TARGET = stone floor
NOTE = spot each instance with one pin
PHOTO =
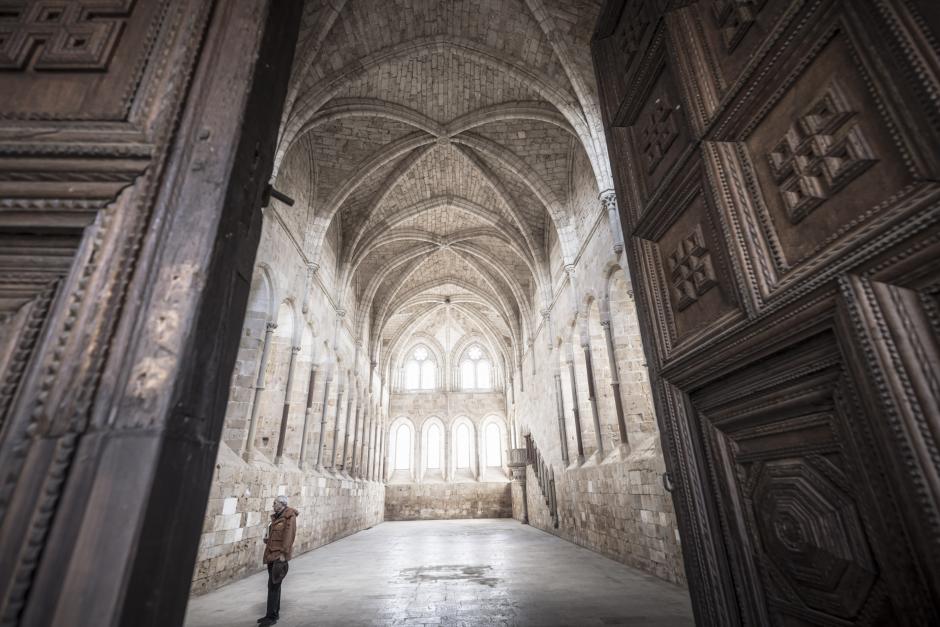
(451, 572)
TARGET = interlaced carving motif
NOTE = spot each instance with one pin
(60, 35)
(819, 155)
(659, 133)
(633, 24)
(691, 269)
(734, 18)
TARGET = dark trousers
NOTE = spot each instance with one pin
(274, 592)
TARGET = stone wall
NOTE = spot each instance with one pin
(240, 503)
(614, 502)
(618, 509)
(436, 501)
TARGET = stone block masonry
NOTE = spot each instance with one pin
(239, 507)
(436, 501)
(619, 509)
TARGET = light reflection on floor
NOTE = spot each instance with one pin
(456, 572)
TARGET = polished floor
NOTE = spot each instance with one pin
(451, 572)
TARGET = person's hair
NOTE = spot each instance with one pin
(282, 499)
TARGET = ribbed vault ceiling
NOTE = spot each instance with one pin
(430, 146)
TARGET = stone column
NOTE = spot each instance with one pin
(377, 468)
(285, 412)
(356, 439)
(370, 452)
(518, 459)
(349, 406)
(615, 381)
(481, 461)
(560, 409)
(339, 412)
(383, 450)
(418, 474)
(248, 451)
(373, 430)
(576, 411)
(312, 268)
(448, 453)
(364, 457)
(326, 392)
(592, 399)
(608, 199)
(309, 406)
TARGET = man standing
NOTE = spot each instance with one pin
(279, 542)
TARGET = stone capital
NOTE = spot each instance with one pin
(340, 313)
(313, 267)
(605, 324)
(295, 349)
(608, 198)
(270, 327)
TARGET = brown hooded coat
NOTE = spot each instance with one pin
(281, 532)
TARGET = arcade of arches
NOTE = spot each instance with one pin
(449, 280)
(658, 278)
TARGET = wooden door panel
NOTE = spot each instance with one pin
(58, 58)
(783, 436)
(826, 166)
(111, 112)
(659, 133)
(631, 26)
(716, 40)
(689, 276)
(895, 356)
(786, 263)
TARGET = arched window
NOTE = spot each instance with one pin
(402, 447)
(463, 446)
(476, 370)
(494, 449)
(434, 447)
(420, 370)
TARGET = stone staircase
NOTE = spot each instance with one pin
(545, 476)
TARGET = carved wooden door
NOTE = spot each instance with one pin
(777, 167)
(136, 137)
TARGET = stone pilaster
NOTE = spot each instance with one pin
(248, 451)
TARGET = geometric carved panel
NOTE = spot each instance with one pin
(74, 59)
(825, 158)
(819, 154)
(57, 36)
(691, 269)
(813, 537)
(696, 294)
(658, 132)
(636, 18)
(734, 18)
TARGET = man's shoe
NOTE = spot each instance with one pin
(267, 622)
(264, 618)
